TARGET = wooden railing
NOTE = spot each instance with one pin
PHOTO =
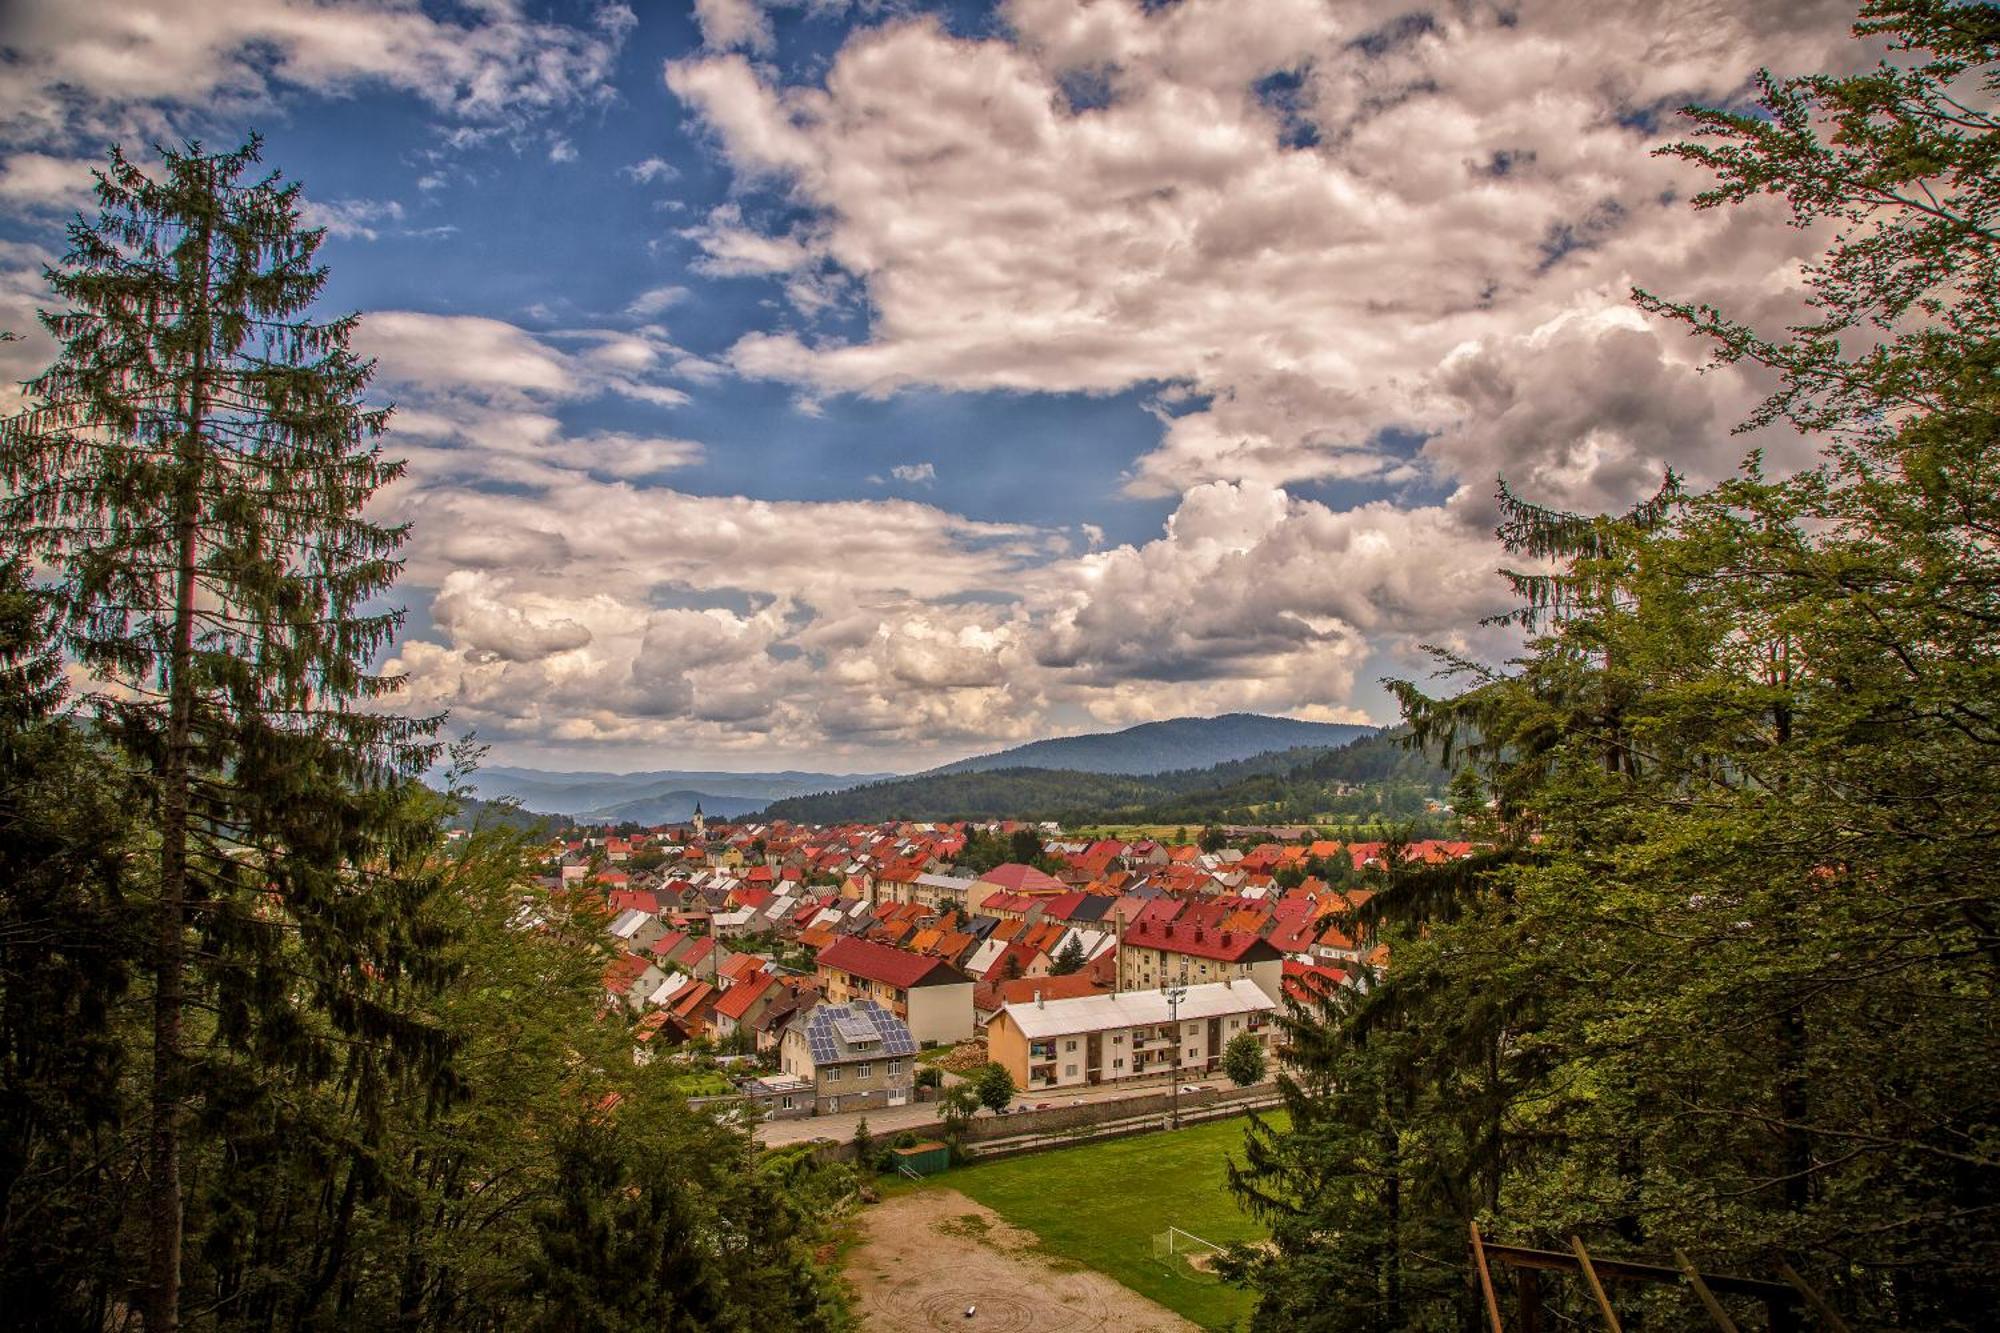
(1781, 1300)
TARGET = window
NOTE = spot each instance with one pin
(1069, 1071)
(1119, 1063)
(787, 1104)
(1118, 1039)
(1069, 1046)
(833, 1073)
(863, 1071)
(1235, 1023)
(895, 1068)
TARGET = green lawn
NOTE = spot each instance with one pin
(1101, 1205)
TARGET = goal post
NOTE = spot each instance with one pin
(1174, 1242)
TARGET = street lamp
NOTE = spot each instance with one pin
(1175, 993)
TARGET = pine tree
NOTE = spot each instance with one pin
(191, 472)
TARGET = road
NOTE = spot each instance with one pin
(890, 1119)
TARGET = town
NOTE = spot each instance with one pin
(849, 971)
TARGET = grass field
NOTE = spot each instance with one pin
(1101, 1204)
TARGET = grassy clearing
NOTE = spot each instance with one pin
(1101, 1204)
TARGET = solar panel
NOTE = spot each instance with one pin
(856, 1028)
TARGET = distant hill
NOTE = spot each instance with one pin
(663, 797)
(1371, 775)
(1163, 747)
(475, 813)
(672, 807)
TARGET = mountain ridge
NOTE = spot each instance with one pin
(1165, 746)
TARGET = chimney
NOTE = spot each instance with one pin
(1038, 997)
(1228, 981)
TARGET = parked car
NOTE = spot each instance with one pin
(1197, 1087)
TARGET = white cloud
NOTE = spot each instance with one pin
(655, 299)
(351, 218)
(41, 181)
(1303, 271)
(98, 67)
(729, 24)
(915, 473)
(648, 170)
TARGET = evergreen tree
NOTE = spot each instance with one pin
(192, 471)
(1068, 959)
(1724, 979)
(67, 954)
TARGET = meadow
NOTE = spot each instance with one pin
(1101, 1204)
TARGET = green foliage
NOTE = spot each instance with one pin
(69, 856)
(1243, 1059)
(1373, 777)
(993, 1085)
(956, 1106)
(1068, 959)
(1726, 981)
(272, 1052)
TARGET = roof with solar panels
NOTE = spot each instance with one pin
(863, 1030)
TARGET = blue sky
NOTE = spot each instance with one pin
(860, 385)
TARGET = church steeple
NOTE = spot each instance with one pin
(700, 824)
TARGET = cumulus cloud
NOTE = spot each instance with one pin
(92, 67)
(729, 24)
(41, 181)
(1309, 221)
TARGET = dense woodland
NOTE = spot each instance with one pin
(1728, 978)
(273, 1055)
(1376, 777)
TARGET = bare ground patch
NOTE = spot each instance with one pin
(926, 1256)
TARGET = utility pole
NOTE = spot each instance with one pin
(1175, 994)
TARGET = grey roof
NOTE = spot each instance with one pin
(836, 1033)
(1098, 1013)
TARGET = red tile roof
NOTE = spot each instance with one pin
(738, 999)
(1018, 878)
(879, 962)
(1201, 941)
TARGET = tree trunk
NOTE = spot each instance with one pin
(164, 1219)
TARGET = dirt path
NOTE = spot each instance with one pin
(926, 1256)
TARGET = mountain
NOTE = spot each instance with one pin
(672, 807)
(1374, 776)
(638, 796)
(1163, 747)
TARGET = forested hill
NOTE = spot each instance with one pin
(1171, 746)
(1302, 783)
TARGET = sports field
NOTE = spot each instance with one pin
(1101, 1205)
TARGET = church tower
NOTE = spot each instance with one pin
(700, 824)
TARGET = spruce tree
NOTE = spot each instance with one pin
(191, 476)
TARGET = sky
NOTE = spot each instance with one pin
(856, 386)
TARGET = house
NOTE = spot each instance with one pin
(1094, 1039)
(858, 1056)
(636, 929)
(928, 994)
(630, 978)
(1151, 955)
(741, 1003)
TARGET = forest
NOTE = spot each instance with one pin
(274, 1053)
(1725, 978)
(1375, 777)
